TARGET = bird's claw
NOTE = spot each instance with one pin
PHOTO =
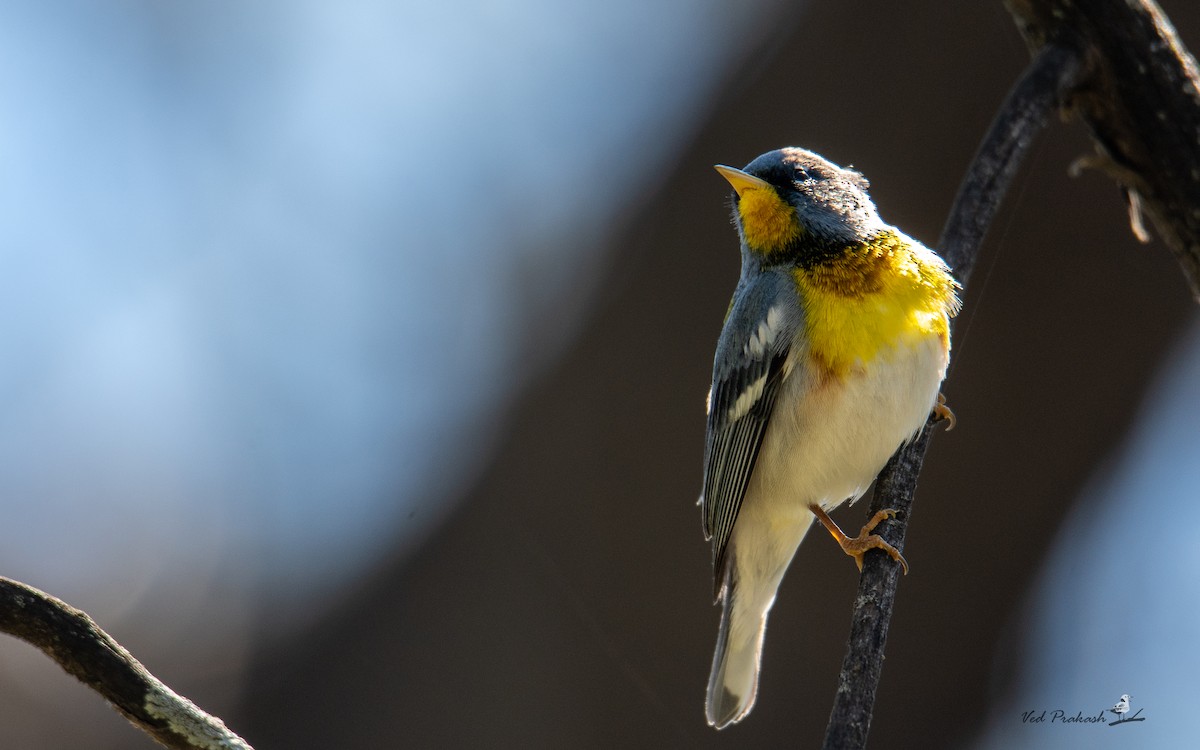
(942, 413)
(857, 546)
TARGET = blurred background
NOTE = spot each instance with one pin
(356, 357)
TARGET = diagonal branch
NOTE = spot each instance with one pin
(978, 199)
(73, 639)
(1121, 68)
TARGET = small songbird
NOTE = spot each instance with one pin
(832, 355)
(1121, 708)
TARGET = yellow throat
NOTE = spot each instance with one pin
(769, 224)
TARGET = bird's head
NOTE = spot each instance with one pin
(791, 205)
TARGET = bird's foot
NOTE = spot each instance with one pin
(942, 413)
(857, 546)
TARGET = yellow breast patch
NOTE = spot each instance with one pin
(874, 297)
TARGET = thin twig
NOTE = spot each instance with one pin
(73, 639)
(1023, 114)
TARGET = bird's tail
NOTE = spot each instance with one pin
(747, 596)
(734, 680)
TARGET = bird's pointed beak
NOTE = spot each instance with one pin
(740, 180)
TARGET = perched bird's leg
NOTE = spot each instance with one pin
(942, 413)
(865, 540)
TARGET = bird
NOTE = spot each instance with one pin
(832, 356)
(1121, 707)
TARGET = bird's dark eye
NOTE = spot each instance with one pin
(799, 175)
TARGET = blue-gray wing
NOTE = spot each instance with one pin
(747, 373)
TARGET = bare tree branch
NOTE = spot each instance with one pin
(1140, 98)
(978, 198)
(73, 639)
(1120, 66)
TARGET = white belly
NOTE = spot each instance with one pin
(826, 441)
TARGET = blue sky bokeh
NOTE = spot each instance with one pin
(268, 265)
